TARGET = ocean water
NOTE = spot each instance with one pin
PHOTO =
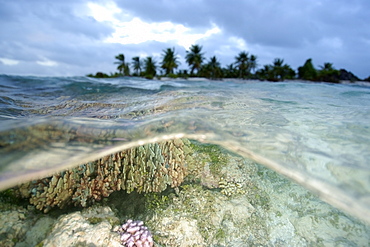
(316, 134)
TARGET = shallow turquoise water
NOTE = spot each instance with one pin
(314, 133)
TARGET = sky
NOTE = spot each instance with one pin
(78, 37)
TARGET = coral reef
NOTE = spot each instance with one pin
(147, 168)
(134, 233)
(206, 210)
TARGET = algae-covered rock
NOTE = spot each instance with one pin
(22, 227)
(13, 226)
(271, 211)
(37, 232)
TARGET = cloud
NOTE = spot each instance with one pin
(82, 36)
(273, 29)
(10, 62)
(137, 31)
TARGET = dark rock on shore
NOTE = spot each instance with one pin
(345, 75)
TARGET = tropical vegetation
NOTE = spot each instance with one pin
(245, 66)
(150, 68)
(169, 61)
(136, 65)
(194, 58)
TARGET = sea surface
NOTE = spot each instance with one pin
(316, 134)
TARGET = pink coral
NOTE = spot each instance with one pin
(135, 234)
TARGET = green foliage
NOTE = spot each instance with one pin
(174, 76)
(126, 69)
(99, 75)
(212, 69)
(244, 67)
(253, 62)
(150, 68)
(169, 61)
(149, 77)
(230, 71)
(328, 73)
(245, 64)
(136, 64)
(183, 74)
(307, 71)
(278, 71)
(103, 75)
(120, 62)
(194, 58)
(242, 61)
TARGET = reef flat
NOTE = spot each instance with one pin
(220, 199)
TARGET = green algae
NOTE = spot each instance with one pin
(9, 196)
(211, 153)
(41, 244)
(95, 220)
(156, 200)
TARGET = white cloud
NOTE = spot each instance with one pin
(47, 62)
(7, 61)
(104, 12)
(333, 43)
(238, 42)
(136, 31)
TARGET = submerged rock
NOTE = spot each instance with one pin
(22, 227)
(75, 229)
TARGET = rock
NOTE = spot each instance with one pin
(37, 233)
(183, 232)
(13, 226)
(345, 75)
(74, 229)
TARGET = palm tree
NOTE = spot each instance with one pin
(230, 71)
(265, 73)
(120, 62)
(126, 69)
(150, 68)
(194, 58)
(328, 73)
(242, 61)
(212, 69)
(253, 63)
(327, 67)
(136, 63)
(169, 61)
(307, 71)
(278, 69)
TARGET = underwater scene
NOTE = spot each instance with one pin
(134, 162)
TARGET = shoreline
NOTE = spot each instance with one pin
(238, 80)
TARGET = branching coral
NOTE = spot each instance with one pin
(148, 168)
